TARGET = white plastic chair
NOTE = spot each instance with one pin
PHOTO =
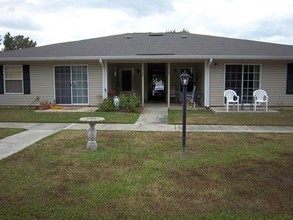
(260, 97)
(231, 97)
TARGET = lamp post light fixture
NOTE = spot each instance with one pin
(184, 78)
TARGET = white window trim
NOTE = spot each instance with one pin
(4, 79)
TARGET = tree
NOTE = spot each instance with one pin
(184, 30)
(1, 48)
(17, 42)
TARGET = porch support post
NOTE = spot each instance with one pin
(168, 81)
(104, 78)
(142, 84)
(207, 65)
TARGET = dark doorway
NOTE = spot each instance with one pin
(126, 76)
(156, 82)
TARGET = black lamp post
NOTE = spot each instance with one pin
(184, 78)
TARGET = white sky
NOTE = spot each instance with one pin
(55, 21)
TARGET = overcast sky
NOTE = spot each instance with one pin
(55, 21)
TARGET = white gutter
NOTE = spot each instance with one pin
(207, 82)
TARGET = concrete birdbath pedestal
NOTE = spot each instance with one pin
(92, 133)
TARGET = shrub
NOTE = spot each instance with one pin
(130, 103)
(107, 105)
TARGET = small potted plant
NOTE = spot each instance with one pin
(111, 93)
(44, 105)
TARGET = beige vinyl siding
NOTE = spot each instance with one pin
(95, 83)
(217, 84)
(42, 83)
(273, 80)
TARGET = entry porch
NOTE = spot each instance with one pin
(156, 82)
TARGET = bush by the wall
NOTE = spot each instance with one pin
(107, 105)
(130, 103)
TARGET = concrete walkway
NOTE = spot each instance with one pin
(153, 114)
(35, 132)
(154, 118)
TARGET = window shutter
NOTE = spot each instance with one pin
(290, 78)
(26, 79)
(1, 80)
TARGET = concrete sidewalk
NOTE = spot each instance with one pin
(189, 128)
(55, 127)
(37, 131)
(34, 133)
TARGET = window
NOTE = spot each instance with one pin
(63, 84)
(13, 78)
(71, 84)
(126, 80)
(243, 79)
(79, 84)
(290, 78)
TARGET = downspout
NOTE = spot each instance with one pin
(210, 62)
(207, 82)
(103, 79)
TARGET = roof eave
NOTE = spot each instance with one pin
(197, 57)
(148, 57)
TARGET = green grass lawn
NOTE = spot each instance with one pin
(5, 132)
(207, 117)
(29, 115)
(144, 175)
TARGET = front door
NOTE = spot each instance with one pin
(156, 81)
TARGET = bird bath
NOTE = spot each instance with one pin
(92, 133)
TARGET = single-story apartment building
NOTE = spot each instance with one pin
(86, 72)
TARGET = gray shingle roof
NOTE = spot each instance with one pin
(142, 45)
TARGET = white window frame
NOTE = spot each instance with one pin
(5, 79)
